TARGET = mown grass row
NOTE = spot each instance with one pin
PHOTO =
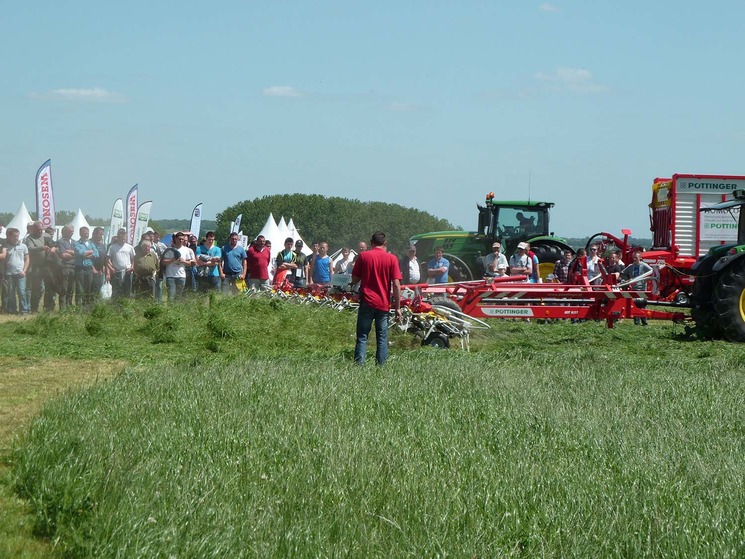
(248, 432)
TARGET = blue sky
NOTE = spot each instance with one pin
(425, 104)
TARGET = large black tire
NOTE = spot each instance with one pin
(548, 253)
(729, 302)
(702, 301)
(459, 270)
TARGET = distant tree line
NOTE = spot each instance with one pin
(340, 221)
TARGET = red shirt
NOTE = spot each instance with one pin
(376, 269)
(258, 263)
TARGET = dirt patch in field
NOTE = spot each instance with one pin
(26, 383)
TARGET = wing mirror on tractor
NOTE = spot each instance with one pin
(739, 194)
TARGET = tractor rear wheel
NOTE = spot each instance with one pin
(702, 301)
(729, 302)
(548, 253)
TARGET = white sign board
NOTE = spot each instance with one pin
(719, 225)
(709, 185)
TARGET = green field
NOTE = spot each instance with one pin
(241, 428)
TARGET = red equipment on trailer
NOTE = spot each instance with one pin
(681, 233)
(512, 297)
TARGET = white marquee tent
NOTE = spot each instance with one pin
(20, 220)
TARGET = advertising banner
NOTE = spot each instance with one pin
(45, 195)
(117, 220)
(143, 217)
(131, 213)
(196, 220)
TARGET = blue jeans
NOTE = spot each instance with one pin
(14, 290)
(175, 288)
(365, 318)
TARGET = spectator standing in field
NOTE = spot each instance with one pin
(285, 263)
(344, 264)
(362, 247)
(593, 266)
(100, 271)
(378, 273)
(258, 258)
(85, 253)
(298, 274)
(535, 276)
(121, 257)
(42, 255)
(495, 264)
(159, 247)
(190, 241)
(520, 263)
(209, 256)
(634, 270)
(66, 275)
(270, 267)
(233, 264)
(145, 268)
(16, 262)
(308, 264)
(438, 268)
(322, 270)
(178, 262)
(409, 265)
(616, 265)
(561, 267)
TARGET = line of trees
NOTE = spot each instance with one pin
(339, 221)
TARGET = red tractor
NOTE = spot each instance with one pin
(680, 232)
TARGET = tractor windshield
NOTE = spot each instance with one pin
(520, 222)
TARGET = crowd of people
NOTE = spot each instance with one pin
(38, 271)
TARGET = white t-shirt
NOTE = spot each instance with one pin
(121, 256)
(177, 269)
(414, 271)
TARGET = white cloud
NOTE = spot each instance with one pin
(282, 91)
(546, 7)
(576, 80)
(398, 106)
(94, 95)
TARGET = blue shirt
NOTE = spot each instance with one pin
(439, 263)
(232, 259)
(322, 269)
(80, 248)
(213, 252)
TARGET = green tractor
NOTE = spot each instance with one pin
(509, 222)
(718, 297)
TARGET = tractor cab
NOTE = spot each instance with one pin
(513, 221)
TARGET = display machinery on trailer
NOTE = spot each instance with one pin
(718, 300)
(515, 298)
(682, 231)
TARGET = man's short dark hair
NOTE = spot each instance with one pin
(378, 239)
(209, 234)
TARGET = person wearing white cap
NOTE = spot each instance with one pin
(520, 264)
(495, 264)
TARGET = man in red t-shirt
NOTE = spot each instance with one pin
(258, 258)
(377, 270)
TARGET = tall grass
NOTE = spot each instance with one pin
(251, 434)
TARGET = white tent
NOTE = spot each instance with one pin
(78, 222)
(282, 226)
(19, 221)
(271, 233)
